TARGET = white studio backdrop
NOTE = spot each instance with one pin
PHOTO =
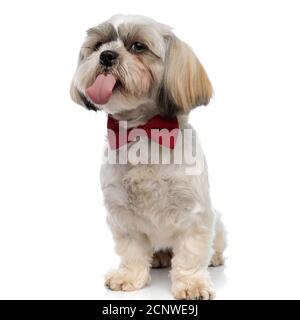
(54, 241)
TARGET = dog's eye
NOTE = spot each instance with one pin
(97, 45)
(138, 47)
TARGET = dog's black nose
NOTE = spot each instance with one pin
(108, 58)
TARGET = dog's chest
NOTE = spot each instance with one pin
(157, 200)
(161, 194)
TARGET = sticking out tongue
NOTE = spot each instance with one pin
(101, 90)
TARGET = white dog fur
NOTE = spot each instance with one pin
(157, 213)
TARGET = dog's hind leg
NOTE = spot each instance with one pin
(219, 244)
(162, 258)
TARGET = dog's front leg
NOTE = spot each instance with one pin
(136, 255)
(189, 274)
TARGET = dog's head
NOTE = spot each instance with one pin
(129, 61)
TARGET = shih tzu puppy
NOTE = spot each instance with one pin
(160, 214)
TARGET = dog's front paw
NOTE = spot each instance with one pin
(127, 280)
(193, 289)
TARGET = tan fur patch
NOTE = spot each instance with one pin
(185, 78)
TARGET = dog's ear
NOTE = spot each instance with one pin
(74, 93)
(80, 98)
(185, 83)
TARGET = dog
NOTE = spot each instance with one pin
(144, 77)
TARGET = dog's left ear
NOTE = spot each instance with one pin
(185, 83)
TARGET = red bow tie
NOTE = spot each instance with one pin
(118, 136)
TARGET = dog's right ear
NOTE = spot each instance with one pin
(80, 98)
(74, 93)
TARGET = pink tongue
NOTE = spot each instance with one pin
(101, 90)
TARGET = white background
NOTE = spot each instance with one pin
(54, 242)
